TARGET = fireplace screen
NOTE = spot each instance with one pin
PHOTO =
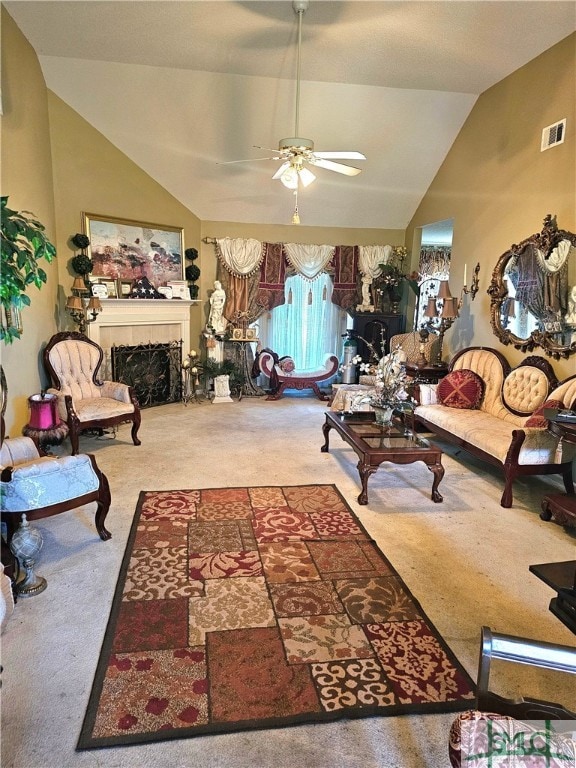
(153, 370)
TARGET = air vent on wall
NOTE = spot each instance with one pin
(553, 135)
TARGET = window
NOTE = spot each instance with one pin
(308, 326)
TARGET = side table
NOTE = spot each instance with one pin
(562, 578)
(426, 374)
(561, 507)
(242, 359)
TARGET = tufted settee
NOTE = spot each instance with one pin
(496, 430)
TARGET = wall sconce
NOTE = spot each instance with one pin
(448, 313)
(81, 306)
(473, 290)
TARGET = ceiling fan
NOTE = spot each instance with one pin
(296, 152)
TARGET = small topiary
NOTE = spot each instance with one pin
(192, 273)
(82, 264)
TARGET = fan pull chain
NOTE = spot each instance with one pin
(295, 215)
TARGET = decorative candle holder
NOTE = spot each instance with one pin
(473, 290)
(192, 369)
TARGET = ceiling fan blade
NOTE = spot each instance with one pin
(252, 160)
(269, 149)
(340, 155)
(347, 170)
(281, 170)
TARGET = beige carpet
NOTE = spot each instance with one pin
(467, 559)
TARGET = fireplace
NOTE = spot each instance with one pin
(153, 370)
(132, 322)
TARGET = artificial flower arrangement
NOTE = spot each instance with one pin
(391, 384)
(392, 273)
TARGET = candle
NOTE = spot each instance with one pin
(465, 272)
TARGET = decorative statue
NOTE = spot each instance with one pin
(366, 305)
(216, 320)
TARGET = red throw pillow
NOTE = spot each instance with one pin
(461, 389)
(538, 419)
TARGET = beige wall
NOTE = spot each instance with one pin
(27, 180)
(91, 175)
(498, 187)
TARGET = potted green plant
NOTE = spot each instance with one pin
(23, 245)
(192, 272)
(212, 368)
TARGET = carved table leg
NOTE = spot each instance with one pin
(364, 470)
(559, 508)
(325, 431)
(438, 471)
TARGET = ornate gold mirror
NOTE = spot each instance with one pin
(533, 292)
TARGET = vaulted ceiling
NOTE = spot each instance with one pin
(183, 86)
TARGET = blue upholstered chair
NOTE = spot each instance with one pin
(42, 486)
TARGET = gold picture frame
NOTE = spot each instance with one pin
(122, 249)
(111, 287)
(124, 288)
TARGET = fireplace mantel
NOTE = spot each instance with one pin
(139, 321)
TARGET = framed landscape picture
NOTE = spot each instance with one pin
(130, 250)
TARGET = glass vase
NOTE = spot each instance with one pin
(383, 414)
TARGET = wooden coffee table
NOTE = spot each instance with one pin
(561, 507)
(375, 444)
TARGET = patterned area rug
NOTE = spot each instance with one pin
(240, 608)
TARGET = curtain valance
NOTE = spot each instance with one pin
(370, 258)
(309, 260)
(265, 265)
(240, 257)
(434, 261)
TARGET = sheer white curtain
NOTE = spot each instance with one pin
(305, 331)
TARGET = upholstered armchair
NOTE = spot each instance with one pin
(409, 343)
(72, 362)
(42, 486)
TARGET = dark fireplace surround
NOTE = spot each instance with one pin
(153, 370)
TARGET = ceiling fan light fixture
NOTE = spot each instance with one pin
(290, 177)
(306, 177)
